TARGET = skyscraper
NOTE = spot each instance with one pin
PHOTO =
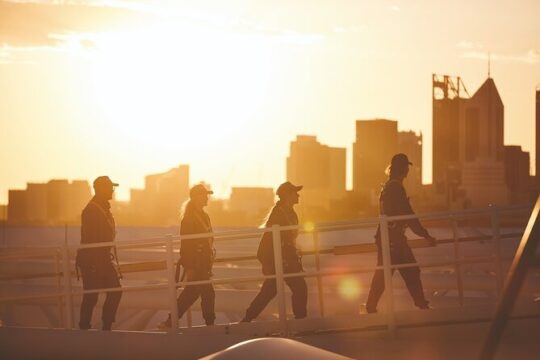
(537, 156)
(411, 144)
(161, 199)
(468, 149)
(376, 143)
(517, 165)
(17, 207)
(253, 202)
(319, 168)
(447, 97)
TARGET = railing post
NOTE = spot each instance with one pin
(67, 287)
(171, 271)
(59, 288)
(496, 231)
(280, 283)
(387, 271)
(457, 266)
(316, 245)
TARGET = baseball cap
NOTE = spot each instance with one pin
(400, 159)
(287, 188)
(198, 190)
(103, 180)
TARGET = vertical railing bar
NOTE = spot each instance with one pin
(387, 271)
(316, 245)
(457, 265)
(59, 288)
(67, 287)
(189, 317)
(280, 283)
(171, 271)
(496, 232)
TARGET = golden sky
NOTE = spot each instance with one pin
(128, 88)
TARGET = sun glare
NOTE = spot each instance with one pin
(166, 84)
(349, 288)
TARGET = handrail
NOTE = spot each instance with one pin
(386, 266)
(332, 226)
(339, 250)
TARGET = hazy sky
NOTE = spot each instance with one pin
(128, 88)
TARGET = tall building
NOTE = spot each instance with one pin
(17, 206)
(482, 148)
(517, 166)
(537, 155)
(36, 202)
(79, 195)
(3, 212)
(468, 149)
(376, 143)
(55, 202)
(447, 98)
(320, 169)
(411, 144)
(58, 201)
(162, 197)
(254, 202)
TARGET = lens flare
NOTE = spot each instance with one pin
(349, 288)
(309, 226)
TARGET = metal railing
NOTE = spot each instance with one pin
(66, 296)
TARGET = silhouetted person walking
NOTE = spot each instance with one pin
(196, 256)
(97, 269)
(394, 201)
(282, 214)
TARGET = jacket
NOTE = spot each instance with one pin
(97, 225)
(280, 215)
(196, 253)
(394, 201)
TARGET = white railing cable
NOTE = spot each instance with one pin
(171, 285)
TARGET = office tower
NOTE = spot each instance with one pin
(376, 143)
(319, 168)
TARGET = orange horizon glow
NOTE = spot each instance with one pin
(225, 88)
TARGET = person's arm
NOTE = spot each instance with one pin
(399, 204)
(89, 226)
(187, 246)
(414, 224)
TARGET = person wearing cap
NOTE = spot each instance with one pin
(393, 201)
(281, 214)
(95, 264)
(196, 256)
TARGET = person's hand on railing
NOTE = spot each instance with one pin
(432, 241)
(189, 274)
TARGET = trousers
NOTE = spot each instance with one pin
(192, 292)
(99, 276)
(268, 291)
(400, 254)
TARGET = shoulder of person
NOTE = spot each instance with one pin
(393, 185)
(273, 218)
(90, 210)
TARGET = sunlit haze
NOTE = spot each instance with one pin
(129, 88)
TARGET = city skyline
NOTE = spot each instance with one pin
(227, 96)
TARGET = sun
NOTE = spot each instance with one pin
(168, 84)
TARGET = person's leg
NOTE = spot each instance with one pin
(267, 293)
(186, 298)
(411, 276)
(110, 306)
(208, 297)
(377, 284)
(298, 287)
(90, 282)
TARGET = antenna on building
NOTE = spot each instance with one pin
(489, 64)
